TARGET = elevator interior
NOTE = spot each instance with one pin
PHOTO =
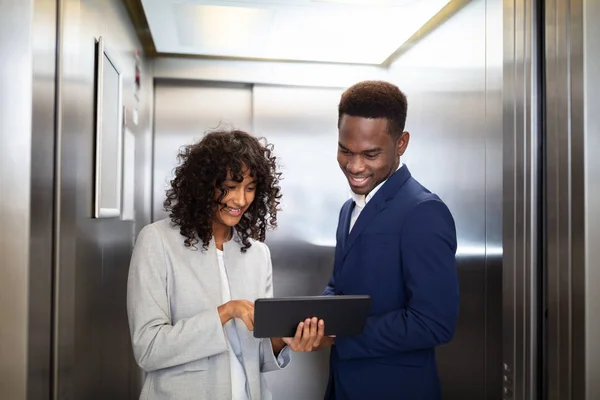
(503, 129)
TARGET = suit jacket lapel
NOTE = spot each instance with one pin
(377, 204)
(372, 208)
(345, 221)
(342, 233)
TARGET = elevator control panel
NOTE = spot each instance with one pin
(507, 381)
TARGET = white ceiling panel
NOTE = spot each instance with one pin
(348, 31)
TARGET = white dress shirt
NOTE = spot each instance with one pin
(239, 388)
(361, 200)
(239, 391)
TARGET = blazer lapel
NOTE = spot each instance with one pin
(342, 232)
(377, 204)
(345, 222)
(372, 208)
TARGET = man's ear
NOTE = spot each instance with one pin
(402, 143)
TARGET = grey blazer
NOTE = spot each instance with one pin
(172, 297)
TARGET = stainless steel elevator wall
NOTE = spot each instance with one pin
(302, 123)
(92, 344)
(572, 60)
(453, 81)
(184, 111)
(16, 35)
(591, 101)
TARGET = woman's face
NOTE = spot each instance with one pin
(239, 197)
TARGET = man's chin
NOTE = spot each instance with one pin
(361, 191)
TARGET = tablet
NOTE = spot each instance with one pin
(279, 317)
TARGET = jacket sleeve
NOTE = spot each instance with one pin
(157, 343)
(330, 288)
(428, 248)
(268, 361)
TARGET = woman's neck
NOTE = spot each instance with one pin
(222, 234)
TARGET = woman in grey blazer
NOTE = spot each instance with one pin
(194, 277)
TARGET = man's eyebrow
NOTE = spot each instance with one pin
(368, 151)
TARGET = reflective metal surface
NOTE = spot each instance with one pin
(15, 173)
(572, 59)
(302, 123)
(93, 350)
(591, 97)
(265, 72)
(184, 111)
(455, 119)
(522, 240)
(42, 198)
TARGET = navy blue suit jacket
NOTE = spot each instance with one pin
(401, 251)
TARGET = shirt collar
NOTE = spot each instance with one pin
(361, 200)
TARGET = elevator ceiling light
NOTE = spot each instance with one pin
(303, 30)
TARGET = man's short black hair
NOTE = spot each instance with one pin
(375, 99)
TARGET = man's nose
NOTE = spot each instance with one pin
(356, 165)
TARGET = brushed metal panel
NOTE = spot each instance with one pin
(522, 242)
(15, 173)
(42, 198)
(493, 197)
(591, 24)
(455, 119)
(184, 111)
(579, 218)
(566, 200)
(302, 124)
(572, 58)
(93, 351)
(265, 72)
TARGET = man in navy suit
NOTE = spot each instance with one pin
(396, 241)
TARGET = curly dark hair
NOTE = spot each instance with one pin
(375, 99)
(203, 168)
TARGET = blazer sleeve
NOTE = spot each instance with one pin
(157, 343)
(330, 288)
(268, 361)
(428, 247)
